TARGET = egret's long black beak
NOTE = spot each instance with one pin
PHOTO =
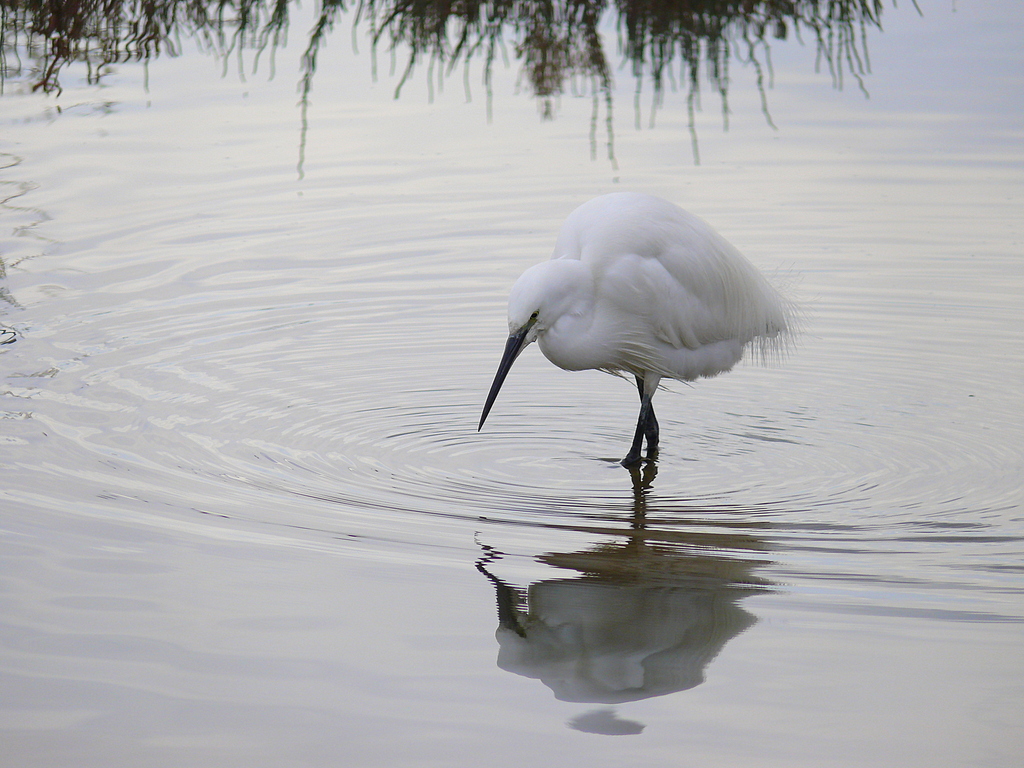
(513, 347)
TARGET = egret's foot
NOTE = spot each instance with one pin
(635, 457)
(632, 460)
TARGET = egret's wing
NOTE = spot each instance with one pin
(657, 262)
(664, 308)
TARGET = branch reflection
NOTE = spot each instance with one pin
(643, 614)
(560, 45)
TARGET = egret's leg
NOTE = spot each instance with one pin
(652, 433)
(633, 457)
(646, 423)
(651, 429)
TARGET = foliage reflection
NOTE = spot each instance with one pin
(558, 44)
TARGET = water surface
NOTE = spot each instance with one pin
(246, 515)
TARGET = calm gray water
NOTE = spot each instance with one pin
(246, 518)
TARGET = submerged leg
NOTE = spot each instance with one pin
(646, 423)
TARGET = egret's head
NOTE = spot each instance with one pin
(542, 294)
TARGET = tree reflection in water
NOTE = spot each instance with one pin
(664, 43)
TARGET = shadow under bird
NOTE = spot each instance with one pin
(639, 286)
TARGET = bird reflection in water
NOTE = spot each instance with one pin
(646, 613)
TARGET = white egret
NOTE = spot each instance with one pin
(638, 286)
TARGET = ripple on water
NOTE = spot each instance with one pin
(324, 388)
(280, 400)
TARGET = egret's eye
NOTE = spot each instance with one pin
(534, 315)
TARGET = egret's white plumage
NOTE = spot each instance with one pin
(638, 285)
